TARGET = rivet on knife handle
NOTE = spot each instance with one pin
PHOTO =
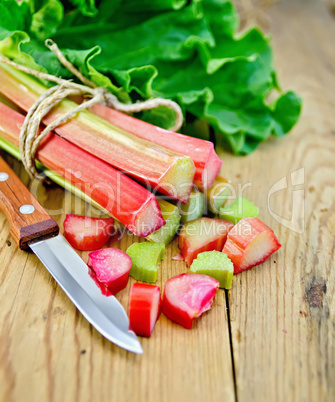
(28, 219)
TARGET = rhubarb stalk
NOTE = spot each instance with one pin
(126, 200)
(164, 170)
(206, 161)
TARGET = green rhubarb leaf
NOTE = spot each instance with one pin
(80, 58)
(86, 7)
(11, 45)
(137, 79)
(161, 116)
(47, 19)
(190, 51)
(14, 16)
(215, 264)
(171, 216)
(239, 209)
(286, 108)
(150, 5)
(172, 35)
(145, 258)
(14, 22)
(194, 209)
(22, 34)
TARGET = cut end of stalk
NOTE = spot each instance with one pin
(171, 215)
(211, 170)
(178, 180)
(148, 219)
(195, 207)
(218, 194)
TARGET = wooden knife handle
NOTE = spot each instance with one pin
(27, 218)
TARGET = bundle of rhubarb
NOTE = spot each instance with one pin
(101, 155)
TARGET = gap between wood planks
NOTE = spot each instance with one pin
(231, 344)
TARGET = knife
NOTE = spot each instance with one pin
(32, 228)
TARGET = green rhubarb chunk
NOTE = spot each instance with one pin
(241, 208)
(171, 216)
(195, 207)
(145, 258)
(218, 194)
(215, 264)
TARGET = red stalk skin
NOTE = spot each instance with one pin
(188, 254)
(206, 161)
(145, 163)
(238, 240)
(177, 313)
(101, 231)
(141, 301)
(117, 193)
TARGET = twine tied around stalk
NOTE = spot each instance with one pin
(30, 135)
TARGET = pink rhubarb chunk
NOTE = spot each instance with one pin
(187, 296)
(109, 267)
(250, 243)
(203, 234)
(87, 233)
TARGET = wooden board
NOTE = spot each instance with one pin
(276, 341)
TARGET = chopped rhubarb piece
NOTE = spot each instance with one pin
(126, 200)
(144, 308)
(239, 209)
(195, 207)
(218, 194)
(146, 257)
(187, 296)
(164, 170)
(214, 264)
(200, 235)
(171, 216)
(86, 233)
(250, 243)
(206, 161)
(109, 267)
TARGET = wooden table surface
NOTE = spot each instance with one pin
(270, 338)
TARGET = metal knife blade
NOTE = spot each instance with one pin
(106, 314)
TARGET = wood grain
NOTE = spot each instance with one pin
(280, 322)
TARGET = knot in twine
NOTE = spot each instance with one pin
(30, 135)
